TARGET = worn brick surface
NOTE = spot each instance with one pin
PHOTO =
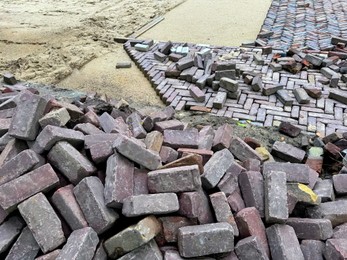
(283, 242)
(25, 122)
(132, 237)
(25, 246)
(252, 188)
(139, 205)
(70, 162)
(316, 229)
(250, 248)
(9, 230)
(177, 179)
(250, 224)
(20, 164)
(206, 239)
(81, 244)
(40, 218)
(50, 135)
(14, 192)
(89, 194)
(216, 167)
(312, 249)
(136, 152)
(275, 191)
(119, 181)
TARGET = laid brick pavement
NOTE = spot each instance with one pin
(309, 23)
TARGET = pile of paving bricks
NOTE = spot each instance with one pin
(263, 85)
(82, 181)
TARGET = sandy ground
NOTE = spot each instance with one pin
(218, 22)
(70, 42)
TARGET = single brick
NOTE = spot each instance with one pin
(50, 135)
(181, 138)
(134, 151)
(9, 231)
(216, 167)
(132, 237)
(288, 152)
(12, 148)
(340, 231)
(20, 164)
(111, 125)
(194, 241)
(25, 247)
(100, 152)
(58, 117)
(325, 190)
(81, 244)
(156, 204)
(242, 150)
(196, 205)
(89, 194)
(159, 56)
(197, 94)
(295, 172)
(288, 129)
(177, 179)
(135, 122)
(168, 154)
(301, 96)
(229, 84)
(147, 251)
(338, 95)
(185, 63)
(275, 189)
(141, 47)
(43, 222)
(171, 225)
(206, 136)
(70, 162)
(230, 182)
(140, 182)
(9, 78)
(88, 129)
(222, 138)
(154, 141)
(236, 202)
(283, 242)
(316, 229)
(340, 184)
(222, 210)
(336, 249)
(269, 89)
(186, 160)
(119, 182)
(335, 211)
(204, 153)
(14, 192)
(250, 248)
(312, 249)
(94, 139)
(250, 224)
(25, 122)
(173, 124)
(219, 100)
(65, 202)
(252, 188)
(123, 65)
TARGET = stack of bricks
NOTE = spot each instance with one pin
(78, 182)
(262, 85)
